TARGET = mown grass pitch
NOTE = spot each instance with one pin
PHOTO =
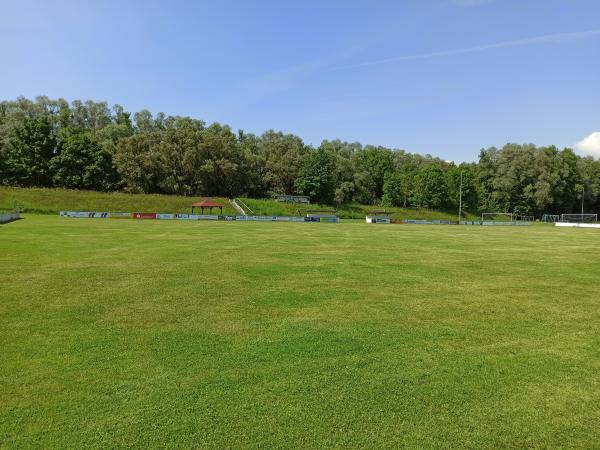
(210, 335)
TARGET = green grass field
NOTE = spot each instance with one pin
(119, 333)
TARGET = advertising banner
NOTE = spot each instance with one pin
(431, 222)
(381, 220)
(84, 214)
(186, 216)
(74, 214)
(196, 217)
(120, 215)
(288, 219)
(167, 216)
(142, 215)
(415, 221)
(259, 218)
(272, 218)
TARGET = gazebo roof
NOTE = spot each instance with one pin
(207, 204)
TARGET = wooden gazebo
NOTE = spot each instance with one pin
(207, 204)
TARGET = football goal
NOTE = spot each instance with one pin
(579, 218)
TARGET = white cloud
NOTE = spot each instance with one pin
(589, 145)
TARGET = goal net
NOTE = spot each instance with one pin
(579, 218)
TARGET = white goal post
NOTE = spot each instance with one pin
(579, 218)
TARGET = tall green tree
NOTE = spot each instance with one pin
(468, 194)
(430, 188)
(253, 166)
(316, 177)
(28, 151)
(371, 166)
(83, 163)
(393, 190)
(137, 164)
(176, 157)
(284, 155)
(221, 168)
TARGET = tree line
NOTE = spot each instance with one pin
(89, 145)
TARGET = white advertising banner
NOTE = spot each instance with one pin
(85, 214)
(99, 215)
(196, 217)
(260, 218)
(271, 218)
(165, 216)
(120, 215)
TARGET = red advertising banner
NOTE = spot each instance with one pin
(141, 215)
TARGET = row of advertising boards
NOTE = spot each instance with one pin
(430, 222)
(493, 223)
(164, 216)
(386, 220)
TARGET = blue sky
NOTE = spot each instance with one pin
(445, 77)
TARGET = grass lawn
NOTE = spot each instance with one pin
(117, 333)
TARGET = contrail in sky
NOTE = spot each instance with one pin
(545, 39)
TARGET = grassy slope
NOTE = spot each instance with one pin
(51, 201)
(212, 335)
(355, 211)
